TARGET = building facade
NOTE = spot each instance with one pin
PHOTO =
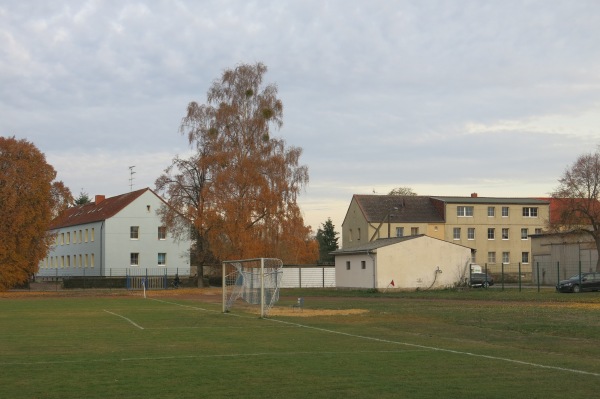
(115, 236)
(410, 262)
(497, 229)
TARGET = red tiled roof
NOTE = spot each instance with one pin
(95, 212)
(558, 206)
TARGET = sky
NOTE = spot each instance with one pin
(449, 98)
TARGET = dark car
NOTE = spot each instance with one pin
(481, 280)
(587, 282)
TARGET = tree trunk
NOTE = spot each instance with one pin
(597, 239)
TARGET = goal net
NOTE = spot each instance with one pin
(255, 281)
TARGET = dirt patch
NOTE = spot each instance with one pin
(281, 311)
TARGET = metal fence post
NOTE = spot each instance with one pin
(538, 276)
(502, 275)
(519, 276)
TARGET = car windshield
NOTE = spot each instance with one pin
(576, 277)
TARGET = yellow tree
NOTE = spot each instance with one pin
(239, 188)
(28, 201)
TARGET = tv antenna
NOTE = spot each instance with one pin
(131, 173)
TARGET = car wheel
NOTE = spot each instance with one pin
(576, 289)
(485, 284)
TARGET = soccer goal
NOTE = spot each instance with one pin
(256, 281)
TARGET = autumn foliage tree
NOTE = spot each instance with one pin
(578, 198)
(29, 199)
(239, 187)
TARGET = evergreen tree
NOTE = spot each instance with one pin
(328, 241)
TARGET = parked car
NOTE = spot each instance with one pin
(587, 282)
(481, 280)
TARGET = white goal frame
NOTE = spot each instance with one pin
(255, 280)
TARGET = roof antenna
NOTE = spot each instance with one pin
(131, 173)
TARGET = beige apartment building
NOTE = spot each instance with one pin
(497, 229)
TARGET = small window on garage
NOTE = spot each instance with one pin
(363, 264)
(347, 265)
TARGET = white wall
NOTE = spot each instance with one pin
(119, 246)
(410, 264)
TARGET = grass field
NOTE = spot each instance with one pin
(178, 344)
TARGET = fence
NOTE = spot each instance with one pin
(540, 274)
(308, 277)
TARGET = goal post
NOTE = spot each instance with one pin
(256, 281)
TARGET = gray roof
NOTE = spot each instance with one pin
(492, 200)
(370, 246)
(402, 209)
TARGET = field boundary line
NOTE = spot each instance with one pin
(186, 306)
(433, 348)
(125, 318)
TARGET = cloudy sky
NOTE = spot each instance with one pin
(447, 97)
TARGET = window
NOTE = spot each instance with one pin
(358, 234)
(80, 237)
(491, 233)
(525, 257)
(92, 261)
(350, 236)
(524, 234)
(456, 233)
(92, 239)
(491, 211)
(505, 234)
(347, 265)
(538, 231)
(363, 264)
(414, 231)
(134, 259)
(162, 233)
(86, 235)
(62, 238)
(399, 231)
(134, 232)
(471, 233)
(68, 260)
(464, 211)
(505, 257)
(491, 257)
(68, 237)
(87, 260)
(162, 259)
(504, 211)
(530, 212)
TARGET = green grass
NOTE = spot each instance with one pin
(443, 344)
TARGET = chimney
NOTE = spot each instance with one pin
(99, 199)
(473, 195)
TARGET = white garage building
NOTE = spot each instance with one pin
(411, 262)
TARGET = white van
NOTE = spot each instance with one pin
(476, 268)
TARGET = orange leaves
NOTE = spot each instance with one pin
(248, 193)
(26, 206)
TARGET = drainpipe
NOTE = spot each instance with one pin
(374, 269)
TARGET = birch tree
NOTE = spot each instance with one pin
(239, 188)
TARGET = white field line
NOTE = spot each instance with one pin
(433, 348)
(125, 318)
(227, 355)
(423, 347)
